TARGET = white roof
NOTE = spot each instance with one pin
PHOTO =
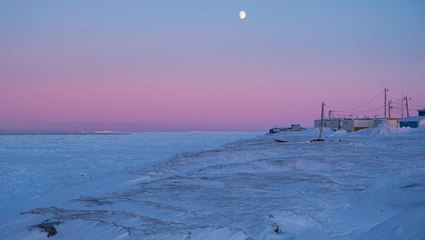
(413, 119)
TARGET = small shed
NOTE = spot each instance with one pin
(421, 112)
(347, 125)
(393, 122)
(412, 122)
(356, 124)
(333, 124)
(362, 123)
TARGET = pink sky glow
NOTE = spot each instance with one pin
(142, 68)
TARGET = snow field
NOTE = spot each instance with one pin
(363, 185)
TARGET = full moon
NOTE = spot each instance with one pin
(242, 14)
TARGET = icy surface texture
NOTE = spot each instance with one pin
(364, 185)
(33, 165)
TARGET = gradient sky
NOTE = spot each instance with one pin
(194, 65)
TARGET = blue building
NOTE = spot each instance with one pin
(414, 122)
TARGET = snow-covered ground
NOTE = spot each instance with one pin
(33, 165)
(364, 185)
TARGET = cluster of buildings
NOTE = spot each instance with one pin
(355, 124)
(293, 128)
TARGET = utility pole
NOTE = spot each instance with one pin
(321, 120)
(389, 108)
(320, 139)
(402, 105)
(407, 106)
(330, 114)
(385, 103)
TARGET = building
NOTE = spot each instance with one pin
(333, 124)
(393, 122)
(414, 121)
(293, 128)
(355, 124)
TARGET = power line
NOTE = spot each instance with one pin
(417, 106)
(396, 107)
(369, 101)
(362, 111)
